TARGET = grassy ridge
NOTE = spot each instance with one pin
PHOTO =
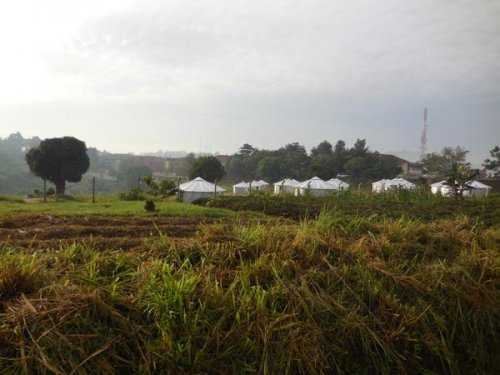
(343, 294)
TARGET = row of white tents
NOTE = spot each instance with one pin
(471, 189)
(200, 188)
(315, 186)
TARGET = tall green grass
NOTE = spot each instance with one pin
(339, 294)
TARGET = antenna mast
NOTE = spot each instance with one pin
(423, 140)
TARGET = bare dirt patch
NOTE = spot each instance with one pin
(39, 231)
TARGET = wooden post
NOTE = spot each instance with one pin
(93, 190)
(215, 184)
(45, 190)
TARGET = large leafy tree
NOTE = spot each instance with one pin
(322, 161)
(324, 166)
(324, 148)
(493, 164)
(457, 178)
(296, 160)
(59, 160)
(359, 150)
(441, 164)
(208, 168)
(340, 153)
(271, 168)
(243, 165)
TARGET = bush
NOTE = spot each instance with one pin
(134, 194)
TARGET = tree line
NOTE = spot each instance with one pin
(59, 160)
(325, 161)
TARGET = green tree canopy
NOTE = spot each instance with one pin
(208, 168)
(59, 160)
(271, 168)
(296, 160)
(441, 164)
(324, 148)
(457, 177)
(359, 149)
(493, 164)
(324, 166)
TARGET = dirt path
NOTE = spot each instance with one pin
(127, 232)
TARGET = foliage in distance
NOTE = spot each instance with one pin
(208, 168)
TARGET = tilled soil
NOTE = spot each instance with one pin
(39, 231)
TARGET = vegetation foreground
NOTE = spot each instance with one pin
(343, 293)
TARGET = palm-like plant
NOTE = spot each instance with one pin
(457, 178)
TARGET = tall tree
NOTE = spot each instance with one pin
(324, 148)
(208, 168)
(324, 166)
(340, 155)
(493, 164)
(441, 164)
(271, 168)
(322, 162)
(296, 160)
(359, 149)
(59, 160)
(457, 178)
(247, 149)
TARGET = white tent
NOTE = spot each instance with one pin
(338, 184)
(315, 186)
(286, 186)
(394, 184)
(436, 186)
(379, 186)
(401, 183)
(198, 188)
(244, 187)
(259, 185)
(478, 189)
(446, 190)
(241, 188)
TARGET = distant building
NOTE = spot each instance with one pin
(224, 159)
(156, 163)
(412, 170)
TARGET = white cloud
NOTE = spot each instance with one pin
(278, 63)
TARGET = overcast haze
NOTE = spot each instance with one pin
(211, 75)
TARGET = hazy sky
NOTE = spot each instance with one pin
(202, 75)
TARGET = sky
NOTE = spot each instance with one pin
(210, 75)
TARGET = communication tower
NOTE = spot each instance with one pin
(423, 139)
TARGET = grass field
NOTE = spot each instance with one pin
(106, 205)
(344, 290)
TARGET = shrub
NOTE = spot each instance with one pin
(134, 194)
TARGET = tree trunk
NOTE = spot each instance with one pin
(60, 187)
